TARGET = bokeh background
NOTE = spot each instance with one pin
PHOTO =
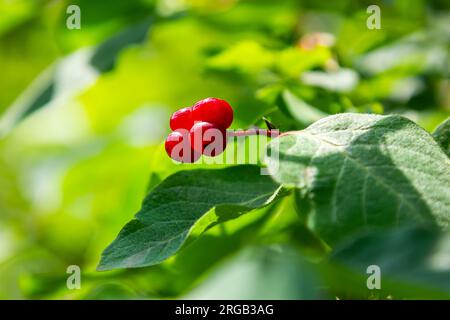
(84, 114)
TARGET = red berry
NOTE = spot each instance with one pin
(213, 110)
(208, 139)
(178, 147)
(182, 119)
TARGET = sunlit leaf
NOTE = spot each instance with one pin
(342, 80)
(300, 110)
(71, 75)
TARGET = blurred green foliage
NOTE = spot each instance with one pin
(77, 166)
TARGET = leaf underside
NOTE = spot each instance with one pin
(171, 210)
(360, 171)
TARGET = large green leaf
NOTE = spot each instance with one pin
(170, 212)
(442, 136)
(357, 171)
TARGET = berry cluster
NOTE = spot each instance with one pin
(200, 129)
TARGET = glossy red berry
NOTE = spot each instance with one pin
(178, 147)
(208, 139)
(182, 119)
(213, 110)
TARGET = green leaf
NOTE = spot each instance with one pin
(277, 272)
(179, 205)
(215, 246)
(341, 80)
(442, 136)
(247, 57)
(299, 109)
(292, 62)
(413, 261)
(358, 171)
(60, 82)
(105, 55)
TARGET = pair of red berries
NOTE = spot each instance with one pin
(200, 129)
